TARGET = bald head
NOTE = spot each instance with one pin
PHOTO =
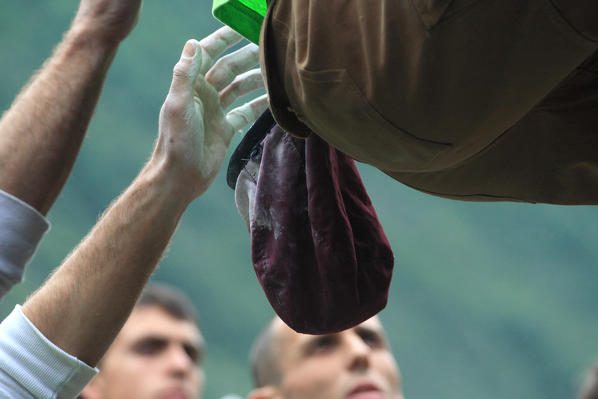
(264, 356)
(287, 364)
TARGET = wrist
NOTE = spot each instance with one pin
(170, 180)
(88, 52)
(89, 36)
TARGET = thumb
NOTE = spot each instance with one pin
(186, 70)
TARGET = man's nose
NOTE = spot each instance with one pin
(178, 361)
(359, 353)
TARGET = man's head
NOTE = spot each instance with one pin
(353, 364)
(156, 355)
(590, 386)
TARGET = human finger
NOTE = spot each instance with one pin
(215, 44)
(185, 71)
(228, 67)
(247, 113)
(243, 84)
(208, 96)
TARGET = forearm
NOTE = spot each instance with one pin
(41, 133)
(85, 303)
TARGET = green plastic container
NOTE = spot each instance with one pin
(244, 16)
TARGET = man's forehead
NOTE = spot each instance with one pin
(288, 338)
(153, 321)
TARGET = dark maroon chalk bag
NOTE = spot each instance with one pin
(317, 246)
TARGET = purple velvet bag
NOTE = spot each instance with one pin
(317, 246)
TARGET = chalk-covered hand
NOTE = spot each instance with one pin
(195, 128)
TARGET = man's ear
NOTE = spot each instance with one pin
(267, 392)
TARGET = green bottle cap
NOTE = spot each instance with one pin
(244, 16)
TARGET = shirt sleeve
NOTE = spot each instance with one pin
(32, 366)
(21, 229)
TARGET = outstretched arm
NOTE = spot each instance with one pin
(41, 133)
(84, 304)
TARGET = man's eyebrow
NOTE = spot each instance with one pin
(306, 344)
(198, 344)
(362, 328)
(194, 351)
(157, 339)
(149, 337)
(379, 332)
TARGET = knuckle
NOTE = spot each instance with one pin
(258, 106)
(220, 63)
(241, 115)
(236, 84)
(235, 66)
(180, 70)
(172, 107)
(257, 78)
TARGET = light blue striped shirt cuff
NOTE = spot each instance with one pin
(21, 229)
(31, 365)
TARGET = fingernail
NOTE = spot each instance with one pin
(189, 50)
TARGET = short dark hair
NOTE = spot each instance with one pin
(590, 386)
(263, 357)
(171, 299)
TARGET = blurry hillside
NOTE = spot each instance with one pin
(488, 300)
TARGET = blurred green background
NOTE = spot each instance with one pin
(487, 301)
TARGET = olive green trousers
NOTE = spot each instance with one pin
(468, 99)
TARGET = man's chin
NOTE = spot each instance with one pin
(367, 395)
(175, 393)
(369, 387)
